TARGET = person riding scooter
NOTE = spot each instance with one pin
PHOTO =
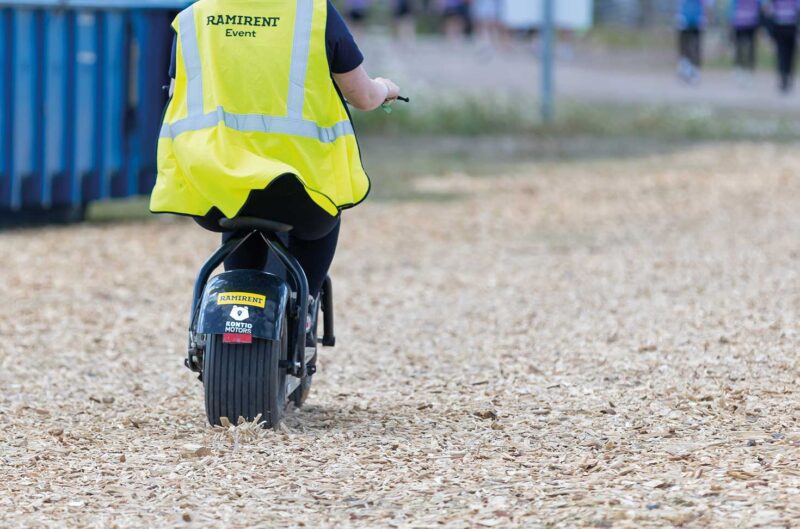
(257, 124)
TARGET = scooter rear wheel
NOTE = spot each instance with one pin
(245, 380)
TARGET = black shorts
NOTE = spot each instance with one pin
(283, 200)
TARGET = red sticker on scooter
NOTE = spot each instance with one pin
(230, 337)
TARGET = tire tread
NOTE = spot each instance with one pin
(243, 380)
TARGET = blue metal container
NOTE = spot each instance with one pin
(81, 99)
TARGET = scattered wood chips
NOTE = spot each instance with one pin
(616, 349)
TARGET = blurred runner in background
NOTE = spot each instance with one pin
(457, 18)
(357, 12)
(488, 16)
(745, 19)
(405, 20)
(782, 19)
(691, 21)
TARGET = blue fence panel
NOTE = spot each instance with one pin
(32, 184)
(59, 146)
(153, 37)
(80, 99)
(56, 109)
(25, 83)
(84, 167)
(6, 36)
(114, 86)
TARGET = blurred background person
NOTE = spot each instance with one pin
(782, 22)
(404, 13)
(488, 17)
(357, 13)
(691, 22)
(457, 17)
(745, 20)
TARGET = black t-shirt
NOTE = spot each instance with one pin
(343, 53)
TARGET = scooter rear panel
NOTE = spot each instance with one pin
(244, 304)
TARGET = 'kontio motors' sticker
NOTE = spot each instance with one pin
(239, 326)
(241, 298)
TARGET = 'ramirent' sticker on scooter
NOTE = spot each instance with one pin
(241, 298)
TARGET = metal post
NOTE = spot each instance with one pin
(548, 62)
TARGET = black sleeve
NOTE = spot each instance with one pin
(172, 59)
(343, 53)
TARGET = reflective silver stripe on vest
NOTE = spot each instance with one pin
(258, 123)
(293, 124)
(191, 60)
(301, 47)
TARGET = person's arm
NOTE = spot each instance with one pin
(365, 93)
(346, 62)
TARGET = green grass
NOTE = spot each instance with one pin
(677, 123)
(119, 210)
(659, 39)
(471, 116)
(483, 138)
(624, 38)
(462, 115)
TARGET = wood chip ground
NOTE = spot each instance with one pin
(588, 344)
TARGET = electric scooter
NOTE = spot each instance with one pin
(247, 336)
(247, 333)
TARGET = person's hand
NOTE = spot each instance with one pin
(365, 93)
(393, 91)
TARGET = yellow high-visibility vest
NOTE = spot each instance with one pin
(254, 100)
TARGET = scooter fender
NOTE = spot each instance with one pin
(244, 302)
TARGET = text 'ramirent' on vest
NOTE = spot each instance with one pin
(242, 20)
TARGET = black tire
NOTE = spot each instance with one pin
(245, 380)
